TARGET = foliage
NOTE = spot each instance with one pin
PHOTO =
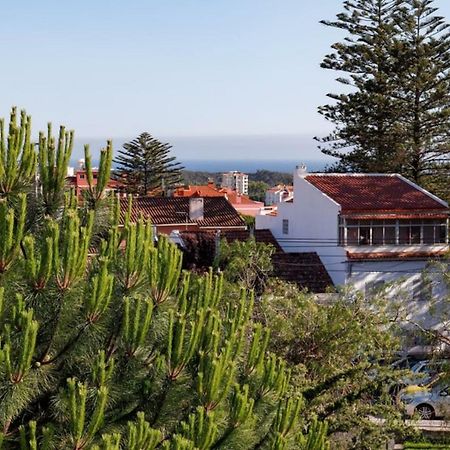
(393, 115)
(333, 347)
(144, 165)
(257, 190)
(17, 155)
(198, 177)
(105, 343)
(268, 177)
(199, 250)
(248, 263)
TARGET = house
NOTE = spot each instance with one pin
(184, 214)
(368, 230)
(235, 180)
(304, 269)
(77, 179)
(278, 194)
(240, 202)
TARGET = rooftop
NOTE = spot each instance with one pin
(217, 212)
(375, 192)
(304, 269)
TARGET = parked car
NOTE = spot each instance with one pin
(426, 402)
(424, 371)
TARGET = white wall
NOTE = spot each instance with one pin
(402, 279)
(313, 226)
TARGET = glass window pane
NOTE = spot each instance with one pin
(440, 234)
(377, 236)
(364, 236)
(403, 237)
(377, 223)
(389, 236)
(428, 234)
(352, 236)
(415, 234)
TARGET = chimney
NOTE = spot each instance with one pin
(301, 170)
(196, 208)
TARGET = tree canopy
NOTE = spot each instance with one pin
(394, 112)
(105, 343)
(145, 165)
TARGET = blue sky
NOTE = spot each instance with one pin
(201, 69)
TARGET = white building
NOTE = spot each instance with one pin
(237, 181)
(278, 194)
(368, 229)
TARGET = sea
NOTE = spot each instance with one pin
(222, 154)
(251, 166)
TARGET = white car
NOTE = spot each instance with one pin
(426, 403)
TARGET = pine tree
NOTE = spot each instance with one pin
(424, 90)
(144, 165)
(106, 344)
(395, 115)
(367, 136)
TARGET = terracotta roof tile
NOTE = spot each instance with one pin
(373, 192)
(304, 269)
(169, 210)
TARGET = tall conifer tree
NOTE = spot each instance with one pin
(368, 134)
(145, 165)
(395, 115)
(424, 90)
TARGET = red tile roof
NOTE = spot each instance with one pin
(168, 210)
(304, 269)
(208, 190)
(374, 192)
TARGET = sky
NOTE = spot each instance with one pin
(219, 79)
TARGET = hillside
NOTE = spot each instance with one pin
(266, 176)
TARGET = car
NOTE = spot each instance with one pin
(426, 402)
(424, 371)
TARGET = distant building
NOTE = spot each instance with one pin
(278, 194)
(77, 179)
(235, 180)
(240, 202)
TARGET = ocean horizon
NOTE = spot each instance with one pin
(225, 153)
(251, 166)
(246, 166)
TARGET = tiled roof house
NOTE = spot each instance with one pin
(184, 214)
(304, 269)
(240, 202)
(369, 230)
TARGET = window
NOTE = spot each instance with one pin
(81, 176)
(392, 232)
(285, 226)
